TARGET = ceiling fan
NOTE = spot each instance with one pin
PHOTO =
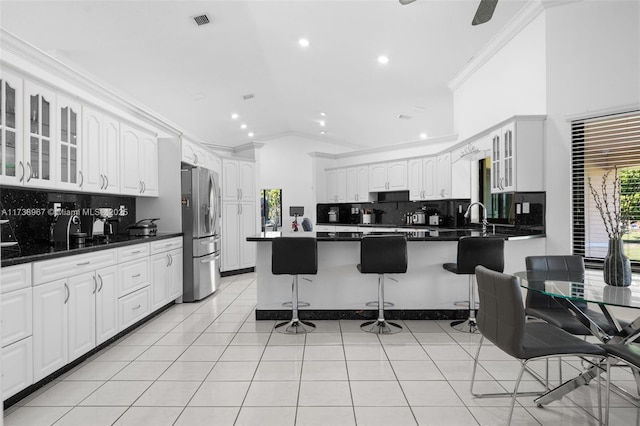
(483, 14)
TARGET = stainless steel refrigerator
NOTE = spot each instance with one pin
(201, 207)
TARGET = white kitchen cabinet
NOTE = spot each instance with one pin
(100, 152)
(133, 307)
(139, 160)
(517, 155)
(390, 176)
(443, 176)
(12, 166)
(81, 311)
(193, 154)
(166, 278)
(213, 162)
(422, 178)
(50, 328)
(238, 180)
(17, 367)
(357, 184)
(133, 276)
(106, 304)
(70, 143)
(238, 223)
(40, 129)
(16, 314)
(336, 185)
(54, 269)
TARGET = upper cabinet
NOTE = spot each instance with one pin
(238, 180)
(443, 176)
(358, 184)
(422, 178)
(139, 161)
(39, 152)
(516, 156)
(11, 135)
(69, 142)
(336, 185)
(193, 154)
(391, 176)
(100, 152)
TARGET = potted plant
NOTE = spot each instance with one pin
(615, 212)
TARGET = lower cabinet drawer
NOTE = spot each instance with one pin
(133, 276)
(17, 367)
(133, 307)
(16, 315)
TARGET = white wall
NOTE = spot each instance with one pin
(593, 64)
(511, 83)
(285, 163)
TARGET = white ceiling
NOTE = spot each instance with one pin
(195, 77)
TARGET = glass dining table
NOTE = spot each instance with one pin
(587, 287)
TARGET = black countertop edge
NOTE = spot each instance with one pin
(452, 235)
(45, 251)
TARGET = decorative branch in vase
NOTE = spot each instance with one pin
(615, 212)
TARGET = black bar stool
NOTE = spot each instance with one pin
(294, 256)
(382, 254)
(474, 251)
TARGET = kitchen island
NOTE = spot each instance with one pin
(425, 291)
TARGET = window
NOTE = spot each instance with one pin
(271, 208)
(600, 145)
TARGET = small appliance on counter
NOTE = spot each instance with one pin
(419, 218)
(334, 214)
(367, 217)
(66, 229)
(143, 228)
(434, 220)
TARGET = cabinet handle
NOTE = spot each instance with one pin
(66, 287)
(83, 263)
(81, 178)
(140, 191)
(171, 259)
(137, 307)
(168, 261)
(95, 284)
(195, 158)
(101, 182)
(241, 194)
(135, 276)
(30, 171)
(106, 178)
(144, 186)
(101, 283)
(22, 167)
(135, 252)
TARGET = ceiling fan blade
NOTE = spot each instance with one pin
(484, 12)
(403, 2)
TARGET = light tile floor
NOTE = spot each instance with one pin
(212, 363)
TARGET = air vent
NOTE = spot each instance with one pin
(201, 19)
(247, 97)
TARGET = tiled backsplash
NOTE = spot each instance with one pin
(30, 212)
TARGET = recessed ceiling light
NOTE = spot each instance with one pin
(423, 135)
(243, 126)
(250, 134)
(303, 42)
(322, 132)
(322, 123)
(234, 116)
(383, 59)
(324, 114)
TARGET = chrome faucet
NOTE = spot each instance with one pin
(484, 215)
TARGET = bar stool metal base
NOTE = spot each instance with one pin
(466, 326)
(381, 326)
(295, 326)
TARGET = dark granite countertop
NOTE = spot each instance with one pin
(45, 251)
(426, 235)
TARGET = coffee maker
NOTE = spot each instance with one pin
(66, 229)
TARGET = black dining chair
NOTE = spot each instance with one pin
(501, 320)
(557, 311)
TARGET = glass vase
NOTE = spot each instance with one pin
(617, 268)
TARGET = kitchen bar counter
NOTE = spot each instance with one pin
(45, 251)
(425, 291)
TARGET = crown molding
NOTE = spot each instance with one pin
(34, 57)
(523, 18)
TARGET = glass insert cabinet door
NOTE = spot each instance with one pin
(68, 144)
(40, 131)
(11, 149)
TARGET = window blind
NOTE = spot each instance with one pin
(599, 145)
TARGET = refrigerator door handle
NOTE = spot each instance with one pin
(210, 258)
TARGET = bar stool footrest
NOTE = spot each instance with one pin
(301, 304)
(295, 326)
(381, 327)
(374, 303)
